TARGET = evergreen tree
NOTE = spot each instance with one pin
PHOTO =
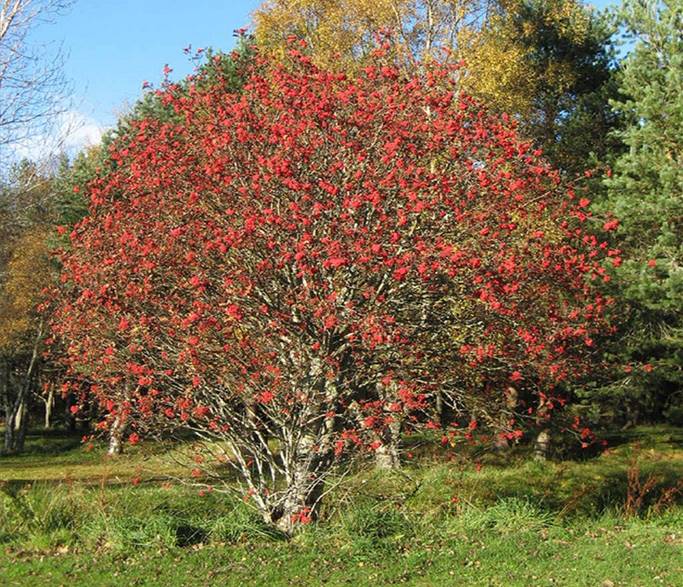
(645, 193)
(567, 52)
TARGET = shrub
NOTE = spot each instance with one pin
(302, 269)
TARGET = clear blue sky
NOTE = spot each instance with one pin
(114, 45)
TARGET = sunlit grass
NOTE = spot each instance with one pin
(68, 516)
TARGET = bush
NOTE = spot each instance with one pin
(323, 260)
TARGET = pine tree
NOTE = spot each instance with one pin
(645, 193)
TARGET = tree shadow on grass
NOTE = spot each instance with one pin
(49, 443)
(189, 535)
(639, 438)
(595, 487)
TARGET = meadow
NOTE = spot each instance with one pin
(448, 517)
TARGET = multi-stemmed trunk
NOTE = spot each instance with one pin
(16, 424)
(16, 419)
(288, 483)
(304, 489)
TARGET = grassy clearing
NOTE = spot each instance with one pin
(503, 521)
(54, 456)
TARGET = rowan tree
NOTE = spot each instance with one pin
(292, 270)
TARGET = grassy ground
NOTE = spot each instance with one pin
(71, 517)
(54, 456)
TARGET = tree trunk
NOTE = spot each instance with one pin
(542, 445)
(439, 407)
(387, 456)
(19, 416)
(49, 404)
(312, 456)
(8, 407)
(16, 422)
(304, 489)
(16, 413)
(21, 425)
(295, 507)
(116, 433)
(9, 437)
(502, 444)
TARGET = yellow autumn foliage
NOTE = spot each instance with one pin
(491, 37)
(496, 69)
(341, 32)
(28, 271)
(501, 68)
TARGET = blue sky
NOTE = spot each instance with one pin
(113, 46)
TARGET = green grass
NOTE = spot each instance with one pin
(54, 456)
(441, 521)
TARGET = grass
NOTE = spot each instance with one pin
(55, 456)
(443, 520)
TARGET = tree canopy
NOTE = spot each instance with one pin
(304, 261)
